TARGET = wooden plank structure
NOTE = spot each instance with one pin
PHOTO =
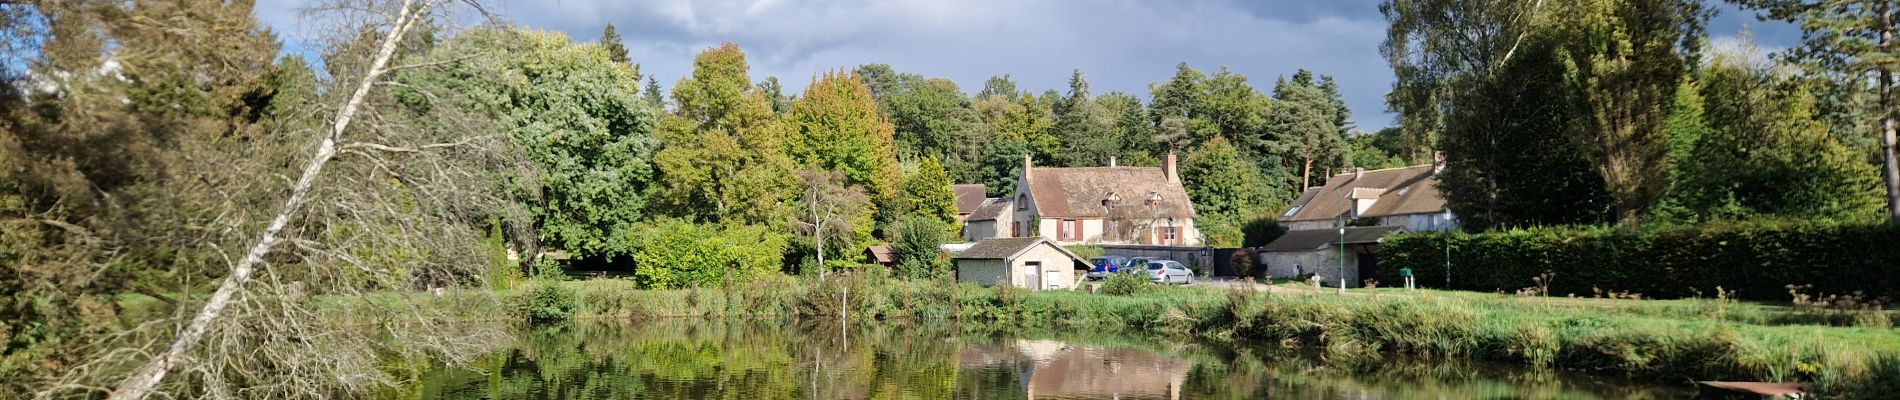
(1750, 390)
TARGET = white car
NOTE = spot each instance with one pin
(1169, 271)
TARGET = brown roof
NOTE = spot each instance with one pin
(1078, 192)
(1408, 190)
(1310, 239)
(969, 197)
(1006, 248)
(990, 209)
(880, 254)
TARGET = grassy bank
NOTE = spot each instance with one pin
(1670, 341)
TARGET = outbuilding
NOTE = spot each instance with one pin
(1034, 263)
(1303, 253)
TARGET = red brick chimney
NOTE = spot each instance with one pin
(1168, 168)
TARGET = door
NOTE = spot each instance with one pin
(1369, 268)
(1032, 275)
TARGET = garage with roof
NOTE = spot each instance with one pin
(1033, 263)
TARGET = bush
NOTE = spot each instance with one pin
(1260, 230)
(1126, 283)
(1757, 260)
(546, 301)
(675, 254)
(918, 248)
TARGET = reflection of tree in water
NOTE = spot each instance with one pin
(698, 359)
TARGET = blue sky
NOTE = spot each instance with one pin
(1121, 45)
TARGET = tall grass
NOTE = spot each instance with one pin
(1672, 341)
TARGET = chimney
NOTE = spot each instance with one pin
(1111, 161)
(1358, 172)
(1438, 161)
(1168, 168)
(1027, 165)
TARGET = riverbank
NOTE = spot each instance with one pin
(1672, 341)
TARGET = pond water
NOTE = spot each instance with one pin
(697, 359)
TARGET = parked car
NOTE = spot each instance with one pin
(1102, 266)
(1169, 271)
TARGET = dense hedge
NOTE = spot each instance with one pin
(1758, 259)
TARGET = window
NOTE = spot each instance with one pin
(1015, 229)
(1022, 201)
(1069, 230)
(1171, 234)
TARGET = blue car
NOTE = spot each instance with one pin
(1103, 266)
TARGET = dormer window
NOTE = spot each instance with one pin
(1154, 197)
(1108, 202)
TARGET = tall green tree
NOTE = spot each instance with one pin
(1224, 186)
(616, 48)
(1435, 46)
(578, 116)
(1305, 124)
(724, 151)
(836, 127)
(1625, 59)
(1509, 161)
(1854, 39)
(1766, 153)
(653, 94)
(1085, 127)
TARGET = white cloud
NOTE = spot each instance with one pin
(1122, 45)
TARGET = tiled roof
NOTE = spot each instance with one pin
(990, 209)
(1004, 248)
(1316, 238)
(1399, 191)
(969, 197)
(1078, 192)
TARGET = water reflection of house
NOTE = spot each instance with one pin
(1048, 369)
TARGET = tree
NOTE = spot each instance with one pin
(653, 94)
(1852, 39)
(1372, 151)
(577, 114)
(837, 128)
(775, 93)
(927, 193)
(930, 116)
(917, 247)
(1508, 157)
(1625, 58)
(1435, 46)
(616, 49)
(1305, 125)
(723, 154)
(1225, 187)
(1765, 153)
(1085, 128)
(147, 378)
(831, 212)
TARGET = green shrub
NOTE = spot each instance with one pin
(1754, 260)
(918, 248)
(673, 253)
(1126, 283)
(546, 301)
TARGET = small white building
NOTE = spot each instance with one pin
(1033, 263)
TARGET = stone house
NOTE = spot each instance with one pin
(1318, 252)
(1404, 197)
(1093, 205)
(1362, 206)
(1032, 263)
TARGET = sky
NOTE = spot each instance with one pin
(1120, 45)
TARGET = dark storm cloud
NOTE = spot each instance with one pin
(1122, 45)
